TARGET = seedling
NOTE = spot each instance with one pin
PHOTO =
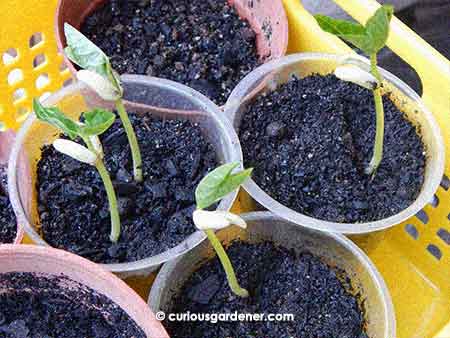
(99, 75)
(96, 122)
(213, 187)
(370, 38)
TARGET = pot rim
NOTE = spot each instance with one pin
(271, 204)
(62, 259)
(229, 138)
(59, 33)
(10, 134)
(167, 269)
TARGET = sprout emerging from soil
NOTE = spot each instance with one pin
(370, 38)
(96, 122)
(99, 75)
(213, 187)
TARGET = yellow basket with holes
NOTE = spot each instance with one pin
(414, 257)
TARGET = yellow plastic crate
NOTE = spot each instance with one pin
(414, 257)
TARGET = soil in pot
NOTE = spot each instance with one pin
(156, 215)
(279, 282)
(310, 141)
(8, 223)
(34, 305)
(201, 43)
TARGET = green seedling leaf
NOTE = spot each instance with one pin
(97, 121)
(87, 55)
(219, 183)
(377, 27)
(349, 31)
(369, 38)
(84, 52)
(56, 118)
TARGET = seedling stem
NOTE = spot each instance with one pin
(134, 145)
(226, 263)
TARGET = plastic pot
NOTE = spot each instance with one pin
(53, 262)
(268, 76)
(6, 142)
(263, 16)
(143, 94)
(334, 249)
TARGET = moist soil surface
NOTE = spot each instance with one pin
(279, 282)
(156, 215)
(201, 43)
(310, 141)
(8, 224)
(38, 306)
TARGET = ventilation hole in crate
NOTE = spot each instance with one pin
(19, 94)
(445, 182)
(412, 231)
(435, 251)
(62, 66)
(36, 39)
(42, 81)
(434, 201)
(68, 82)
(422, 216)
(39, 60)
(14, 76)
(45, 96)
(22, 114)
(444, 235)
(10, 56)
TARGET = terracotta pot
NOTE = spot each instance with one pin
(334, 249)
(158, 97)
(6, 142)
(267, 77)
(262, 16)
(36, 259)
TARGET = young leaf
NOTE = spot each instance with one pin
(84, 52)
(349, 31)
(97, 121)
(377, 27)
(87, 55)
(56, 118)
(219, 183)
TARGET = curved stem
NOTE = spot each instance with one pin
(132, 140)
(379, 137)
(110, 192)
(226, 263)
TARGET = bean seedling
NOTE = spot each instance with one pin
(370, 39)
(98, 74)
(212, 188)
(96, 122)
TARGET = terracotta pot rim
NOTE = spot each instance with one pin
(283, 38)
(85, 268)
(437, 165)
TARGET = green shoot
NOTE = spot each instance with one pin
(370, 38)
(96, 122)
(101, 77)
(215, 186)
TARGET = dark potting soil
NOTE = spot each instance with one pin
(201, 43)
(310, 141)
(8, 224)
(279, 282)
(39, 306)
(156, 215)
